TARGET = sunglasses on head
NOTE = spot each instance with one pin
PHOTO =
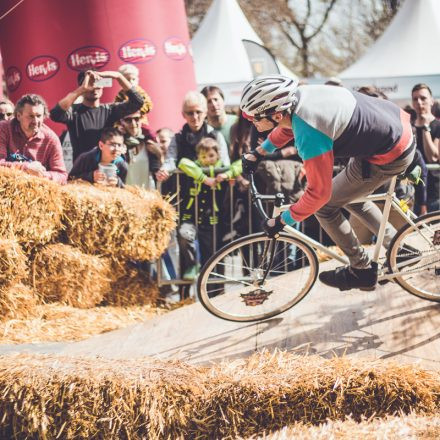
(3, 115)
(134, 118)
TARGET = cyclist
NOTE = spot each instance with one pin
(327, 123)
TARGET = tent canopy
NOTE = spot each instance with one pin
(405, 54)
(227, 51)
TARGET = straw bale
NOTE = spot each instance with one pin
(17, 301)
(129, 224)
(30, 207)
(112, 399)
(63, 273)
(130, 286)
(13, 262)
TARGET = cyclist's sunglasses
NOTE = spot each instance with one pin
(257, 118)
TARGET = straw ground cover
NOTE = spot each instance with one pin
(57, 322)
(114, 399)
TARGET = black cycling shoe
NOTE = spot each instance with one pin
(347, 277)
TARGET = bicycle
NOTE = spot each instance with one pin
(256, 277)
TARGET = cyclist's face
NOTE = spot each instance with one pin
(263, 124)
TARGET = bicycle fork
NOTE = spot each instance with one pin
(270, 248)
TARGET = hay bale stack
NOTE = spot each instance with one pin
(130, 287)
(30, 207)
(17, 301)
(65, 274)
(109, 399)
(13, 262)
(132, 225)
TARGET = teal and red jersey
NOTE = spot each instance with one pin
(333, 122)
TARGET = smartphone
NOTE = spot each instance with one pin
(104, 82)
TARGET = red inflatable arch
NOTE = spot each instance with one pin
(45, 44)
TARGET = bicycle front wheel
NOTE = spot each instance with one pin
(232, 286)
(414, 254)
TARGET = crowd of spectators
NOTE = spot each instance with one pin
(112, 145)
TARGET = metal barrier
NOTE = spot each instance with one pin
(176, 200)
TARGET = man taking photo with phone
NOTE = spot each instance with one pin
(86, 120)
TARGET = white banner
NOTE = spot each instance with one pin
(398, 88)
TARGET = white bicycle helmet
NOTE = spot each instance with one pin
(267, 95)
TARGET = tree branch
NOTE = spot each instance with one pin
(324, 19)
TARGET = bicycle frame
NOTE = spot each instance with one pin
(391, 201)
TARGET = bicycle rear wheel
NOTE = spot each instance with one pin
(230, 284)
(414, 254)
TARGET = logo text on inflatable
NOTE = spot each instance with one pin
(137, 51)
(175, 48)
(13, 78)
(42, 68)
(88, 57)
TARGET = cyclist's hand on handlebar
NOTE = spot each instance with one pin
(250, 161)
(273, 226)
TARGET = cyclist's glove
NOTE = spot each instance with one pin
(250, 166)
(273, 231)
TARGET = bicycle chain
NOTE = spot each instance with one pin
(423, 254)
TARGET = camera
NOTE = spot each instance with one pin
(103, 82)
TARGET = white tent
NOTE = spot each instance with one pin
(228, 53)
(406, 53)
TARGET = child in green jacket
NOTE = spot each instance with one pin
(200, 204)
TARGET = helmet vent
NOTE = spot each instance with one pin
(281, 95)
(256, 105)
(250, 98)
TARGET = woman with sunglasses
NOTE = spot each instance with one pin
(143, 153)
